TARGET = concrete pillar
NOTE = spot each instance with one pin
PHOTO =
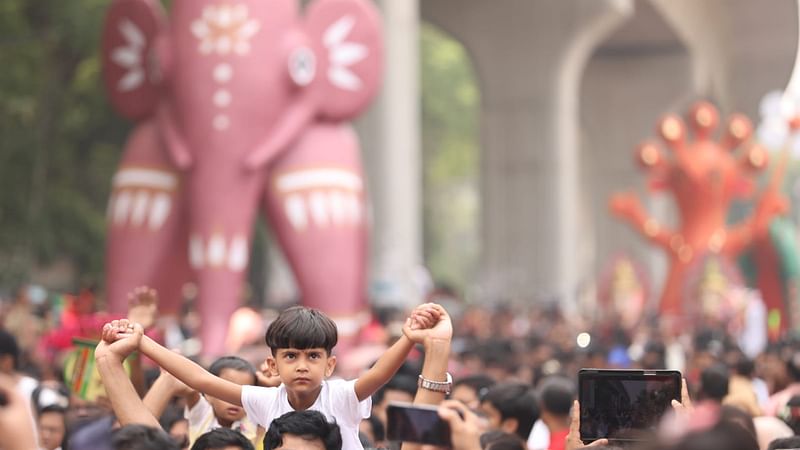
(390, 137)
(705, 29)
(530, 57)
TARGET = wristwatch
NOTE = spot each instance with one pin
(436, 386)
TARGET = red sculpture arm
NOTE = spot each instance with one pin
(627, 206)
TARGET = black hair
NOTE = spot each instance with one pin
(723, 436)
(500, 440)
(233, 363)
(515, 401)
(142, 437)
(308, 425)
(301, 328)
(479, 383)
(8, 346)
(221, 438)
(172, 414)
(556, 395)
(737, 416)
(378, 429)
(787, 443)
(399, 382)
(714, 383)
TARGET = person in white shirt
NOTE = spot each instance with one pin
(301, 340)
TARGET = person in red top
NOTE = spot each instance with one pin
(556, 395)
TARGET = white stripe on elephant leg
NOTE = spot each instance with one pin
(196, 252)
(319, 208)
(337, 207)
(150, 178)
(140, 206)
(319, 178)
(237, 255)
(295, 208)
(353, 208)
(159, 211)
(122, 207)
(216, 250)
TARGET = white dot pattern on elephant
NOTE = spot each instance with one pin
(222, 98)
(221, 122)
(223, 73)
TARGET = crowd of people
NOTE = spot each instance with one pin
(500, 376)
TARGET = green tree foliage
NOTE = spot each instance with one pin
(60, 139)
(450, 110)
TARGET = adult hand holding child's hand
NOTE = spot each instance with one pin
(428, 322)
(120, 338)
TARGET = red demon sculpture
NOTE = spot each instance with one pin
(704, 175)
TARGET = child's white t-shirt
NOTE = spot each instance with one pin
(337, 401)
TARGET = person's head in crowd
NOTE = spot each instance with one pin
(654, 357)
(222, 439)
(303, 430)
(141, 437)
(82, 411)
(737, 416)
(556, 395)
(790, 443)
(9, 353)
(713, 383)
(500, 440)
(372, 433)
(299, 330)
(52, 427)
(235, 370)
(400, 388)
(469, 390)
(511, 407)
(722, 436)
(498, 359)
(173, 422)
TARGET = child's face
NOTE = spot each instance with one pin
(303, 370)
(227, 413)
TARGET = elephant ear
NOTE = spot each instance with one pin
(348, 35)
(130, 71)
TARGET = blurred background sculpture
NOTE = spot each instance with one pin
(704, 176)
(240, 107)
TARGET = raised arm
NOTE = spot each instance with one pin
(434, 366)
(120, 339)
(165, 387)
(191, 374)
(387, 365)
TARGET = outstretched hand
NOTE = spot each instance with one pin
(465, 426)
(143, 306)
(574, 437)
(120, 338)
(685, 406)
(428, 322)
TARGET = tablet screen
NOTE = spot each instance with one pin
(619, 404)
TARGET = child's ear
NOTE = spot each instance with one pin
(330, 366)
(272, 366)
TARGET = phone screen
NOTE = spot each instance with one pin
(624, 404)
(416, 423)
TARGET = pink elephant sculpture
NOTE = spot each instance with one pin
(240, 107)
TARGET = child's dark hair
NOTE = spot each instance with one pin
(302, 328)
(234, 363)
